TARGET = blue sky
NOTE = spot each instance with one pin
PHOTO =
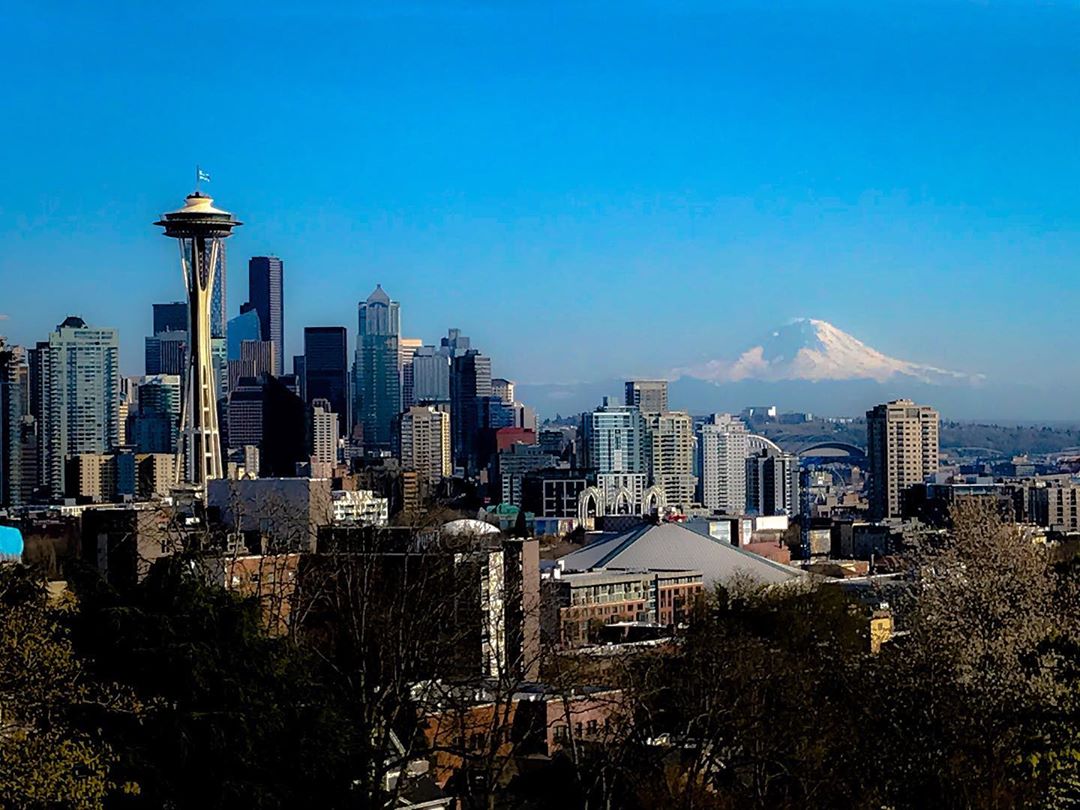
(587, 189)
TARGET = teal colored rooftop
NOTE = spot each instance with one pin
(11, 543)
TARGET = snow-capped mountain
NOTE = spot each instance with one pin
(811, 366)
(816, 351)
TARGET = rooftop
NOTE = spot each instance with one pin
(671, 547)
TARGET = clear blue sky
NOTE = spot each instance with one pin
(587, 189)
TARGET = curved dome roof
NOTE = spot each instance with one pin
(468, 526)
(758, 443)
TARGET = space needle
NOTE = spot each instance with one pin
(199, 227)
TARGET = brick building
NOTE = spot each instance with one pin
(576, 605)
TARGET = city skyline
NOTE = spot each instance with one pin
(938, 166)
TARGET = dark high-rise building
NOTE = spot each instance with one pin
(454, 344)
(493, 413)
(256, 358)
(155, 426)
(166, 353)
(378, 376)
(325, 369)
(36, 360)
(218, 305)
(298, 372)
(266, 294)
(284, 430)
(245, 413)
(470, 381)
(172, 317)
(13, 412)
(772, 483)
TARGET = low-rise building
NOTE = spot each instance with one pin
(535, 720)
(359, 507)
(577, 605)
(554, 493)
(273, 514)
(123, 542)
(1056, 506)
(155, 474)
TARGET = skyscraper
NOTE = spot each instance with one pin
(431, 376)
(616, 439)
(80, 396)
(650, 396)
(155, 426)
(723, 447)
(425, 443)
(470, 382)
(324, 432)
(219, 310)
(266, 294)
(772, 483)
(256, 359)
(616, 445)
(503, 389)
(902, 449)
(245, 413)
(378, 377)
(35, 360)
(326, 370)
(493, 414)
(671, 456)
(14, 408)
(166, 353)
(171, 317)
(454, 344)
(407, 350)
(284, 430)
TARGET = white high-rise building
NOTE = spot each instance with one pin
(425, 443)
(616, 439)
(503, 389)
(671, 456)
(80, 396)
(723, 448)
(324, 430)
